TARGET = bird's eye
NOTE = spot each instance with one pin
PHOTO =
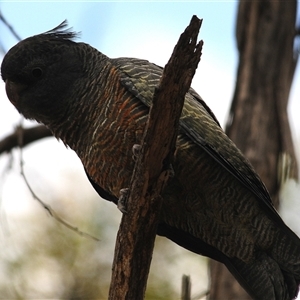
(37, 72)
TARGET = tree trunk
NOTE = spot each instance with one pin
(258, 120)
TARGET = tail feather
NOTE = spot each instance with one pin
(286, 251)
(292, 284)
(262, 276)
(265, 277)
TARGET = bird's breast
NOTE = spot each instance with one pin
(118, 123)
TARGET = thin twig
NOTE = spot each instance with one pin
(47, 207)
(11, 29)
(30, 135)
(186, 286)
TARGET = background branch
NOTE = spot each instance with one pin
(29, 135)
(11, 29)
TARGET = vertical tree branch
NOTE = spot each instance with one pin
(186, 286)
(135, 239)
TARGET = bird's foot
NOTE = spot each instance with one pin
(136, 150)
(123, 200)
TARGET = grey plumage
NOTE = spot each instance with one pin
(215, 205)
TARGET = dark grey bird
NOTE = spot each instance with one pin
(215, 205)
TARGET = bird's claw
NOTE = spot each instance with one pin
(136, 150)
(123, 200)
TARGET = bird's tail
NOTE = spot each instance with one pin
(259, 277)
(276, 272)
(286, 253)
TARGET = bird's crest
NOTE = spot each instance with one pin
(60, 32)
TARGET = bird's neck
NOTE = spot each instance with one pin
(76, 123)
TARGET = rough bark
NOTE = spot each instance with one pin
(258, 121)
(135, 239)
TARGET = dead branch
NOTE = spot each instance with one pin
(135, 239)
(29, 135)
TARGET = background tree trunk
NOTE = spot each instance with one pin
(258, 120)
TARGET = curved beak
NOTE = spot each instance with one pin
(13, 91)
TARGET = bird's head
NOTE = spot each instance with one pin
(40, 71)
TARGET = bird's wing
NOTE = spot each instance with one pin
(199, 123)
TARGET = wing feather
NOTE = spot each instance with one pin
(198, 122)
